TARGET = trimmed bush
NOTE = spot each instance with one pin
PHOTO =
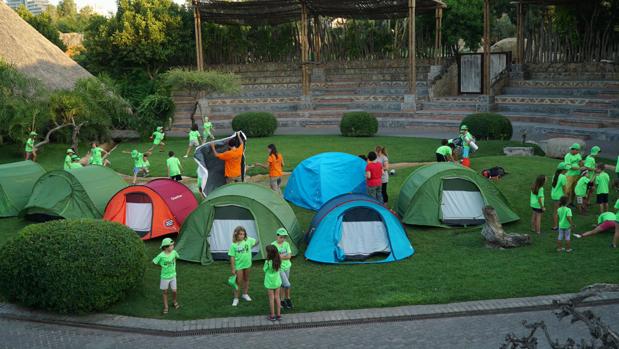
(358, 124)
(255, 124)
(71, 266)
(489, 126)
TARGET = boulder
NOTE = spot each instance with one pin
(558, 147)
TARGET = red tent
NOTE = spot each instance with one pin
(155, 209)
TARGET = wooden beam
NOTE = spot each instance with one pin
(317, 38)
(486, 58)
(438, 35)
(520, 21)
(412, 78)
(198, 36)
(304, 51)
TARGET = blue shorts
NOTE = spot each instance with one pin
(136, 170)
(564, 234)
(465, 152)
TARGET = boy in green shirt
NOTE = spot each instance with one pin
(565, 225)
(138, 163)
(157, 138)
(601, 181)
(240, 262)
(574, 160)
(146, 165)
(29, 149)
(96, 155)
(167, 260)
(174, 167)
(67, 160)
(285, 254)
(207, 131)
(581, 190)
(194, 139)
(444, 153)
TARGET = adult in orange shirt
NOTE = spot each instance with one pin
(275, 163)
(232, 158)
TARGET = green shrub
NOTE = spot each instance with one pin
(358, 124)
(489, 126)
(155, 110)
(71, 266)
(255, 124)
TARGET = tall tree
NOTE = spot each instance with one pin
(67, 8)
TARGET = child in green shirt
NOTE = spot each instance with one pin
(146, 165)
(565, 225)
(75, 162)
(285, 254)
(194, 139)
(174, 167)
(157, 138)
(67, 160)
(29, 149)
(96, 155)
(273, 281)
(138, 163)
(240, 261)
(536, 201)
(167, 260)
(601, 181)
(559, 186)
(581, 190)
(207, 130)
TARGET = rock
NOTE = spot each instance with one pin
(518, 151)
(558, 147)
(495, 236)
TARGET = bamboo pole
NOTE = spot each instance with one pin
(412, 79)
(438, 35)
(520, 33)
(304, 51)
(198, 36)
(486, 67)
(317, 38)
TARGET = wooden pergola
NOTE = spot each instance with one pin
(274, 12)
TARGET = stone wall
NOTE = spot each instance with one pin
(577, 71)
(447, 84)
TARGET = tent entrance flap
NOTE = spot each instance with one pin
(363, 234)
(139, 213)
(461, 202)
(226, 219)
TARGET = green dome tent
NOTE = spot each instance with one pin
(447, 194)
(79, 193)
(16, 182)
(206, 234)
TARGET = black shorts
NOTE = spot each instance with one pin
(602, 198)
(177, 178)
(440, 158)
(538, 210)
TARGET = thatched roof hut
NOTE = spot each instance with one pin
(34, 55)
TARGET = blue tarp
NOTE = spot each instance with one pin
(322, 177)
(326, 231)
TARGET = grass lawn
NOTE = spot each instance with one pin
(449, 264)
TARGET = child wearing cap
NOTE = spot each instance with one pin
(285, 254)
(30, 150)
(601, 181)
(157, 138)
(138, 163)
(565, 225)
(589, 162)
(536, 201)
(67, 160)
(75, 162)
(167, 260)
(273, 281)
(194, 139)
(559, 182)
(580, 190)
(174, 167)
(574, 160)
(240, 261)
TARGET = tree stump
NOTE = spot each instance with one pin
(496, 237)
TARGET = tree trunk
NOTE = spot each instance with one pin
(495, 236)
(75, 135)
(49, 133)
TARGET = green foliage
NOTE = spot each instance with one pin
(155, 110)
(255, 124)
(44, 24)
(463, 20)
(72, 266)
(205, 81)
(358, 124)
(103, 102)
(489, 126)
(502, 28)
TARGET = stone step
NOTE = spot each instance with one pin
(444, 106)
(550, 109)
(594, 84)
(582, 92)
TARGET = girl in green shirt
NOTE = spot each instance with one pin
(559, 186)
(29, 149)
(194, 139)
(240, 262)
(273, 281)
(536, 202)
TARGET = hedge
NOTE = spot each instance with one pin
(489, 126)
(255, 124)
(358, 124)
(71, 266)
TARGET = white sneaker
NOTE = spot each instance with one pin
(578, 236)
(246, 297)
(235, 302)
(185, 156)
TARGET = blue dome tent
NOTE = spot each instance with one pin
(322, 177)
(352, 227)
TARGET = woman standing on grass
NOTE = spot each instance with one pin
(275, 164)
(382, 159)
(536, 202)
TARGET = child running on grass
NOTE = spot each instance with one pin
(174, 167)
(167, 260)
(285, 254)
(559, 182)
(536, 202)
(565, 225)
(601, 181)
(194, 139)
(373, 175)
(275, 163)
(30, 152)
(157, 138)
(273, 281)
(138, 163)
(581, 190)
(240, 262)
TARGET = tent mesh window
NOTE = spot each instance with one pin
(139, 213)
(226, 219)
(461, 202)
(364, 234)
